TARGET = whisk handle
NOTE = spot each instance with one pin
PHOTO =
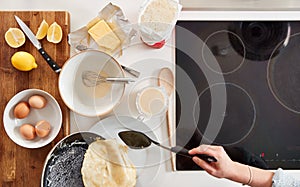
(119, 79)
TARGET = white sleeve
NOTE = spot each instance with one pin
(282, 179)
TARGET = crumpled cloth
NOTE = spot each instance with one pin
(283, 179)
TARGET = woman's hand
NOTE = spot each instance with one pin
(222, 168)
(226, 168)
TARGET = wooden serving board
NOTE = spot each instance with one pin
(20, 166)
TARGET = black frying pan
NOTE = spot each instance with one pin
(63, 164)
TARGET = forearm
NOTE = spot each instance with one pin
(259, 178)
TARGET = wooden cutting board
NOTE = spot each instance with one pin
(20, 166)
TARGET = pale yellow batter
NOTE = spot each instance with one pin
(103, 88)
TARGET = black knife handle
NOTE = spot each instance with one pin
(50, 61)
(184, 152)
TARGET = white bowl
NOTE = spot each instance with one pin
(85, 100)
(51, 113)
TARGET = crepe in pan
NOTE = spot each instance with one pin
(106, 164)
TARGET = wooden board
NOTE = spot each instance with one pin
(20, 166)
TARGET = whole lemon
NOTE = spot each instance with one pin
(23, 61)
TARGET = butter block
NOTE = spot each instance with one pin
(104, 36)
(93, 22)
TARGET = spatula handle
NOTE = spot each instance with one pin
(184, 152)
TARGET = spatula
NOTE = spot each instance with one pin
(139, 140)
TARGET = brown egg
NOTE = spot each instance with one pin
(21, 110)
(27, 131)
(37, 101)
(42, 128)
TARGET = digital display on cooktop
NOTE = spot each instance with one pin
(238, 85)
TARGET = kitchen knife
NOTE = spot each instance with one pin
(37, 45)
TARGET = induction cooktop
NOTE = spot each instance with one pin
(238, 85)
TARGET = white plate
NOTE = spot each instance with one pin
(51, 113)
(148, 160)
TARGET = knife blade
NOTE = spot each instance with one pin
(38, 45)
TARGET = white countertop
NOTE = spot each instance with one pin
(241, 4)
(148, 61)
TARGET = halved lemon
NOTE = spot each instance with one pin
(42, 30)
(54, 33)
(23, 61)
(14, 37)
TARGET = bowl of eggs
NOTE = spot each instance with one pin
(32, 118)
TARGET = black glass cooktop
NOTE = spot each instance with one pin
(238, 85)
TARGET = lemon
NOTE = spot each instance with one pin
(54, 33)
(23, 61)
(14, 37)
(42, 30)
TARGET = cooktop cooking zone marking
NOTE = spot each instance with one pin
(219, 45)
(240, 115)
(284, 74)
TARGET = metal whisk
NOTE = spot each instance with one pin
(90, 79)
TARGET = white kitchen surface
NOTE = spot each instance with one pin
(241, 4)
(148, 61)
